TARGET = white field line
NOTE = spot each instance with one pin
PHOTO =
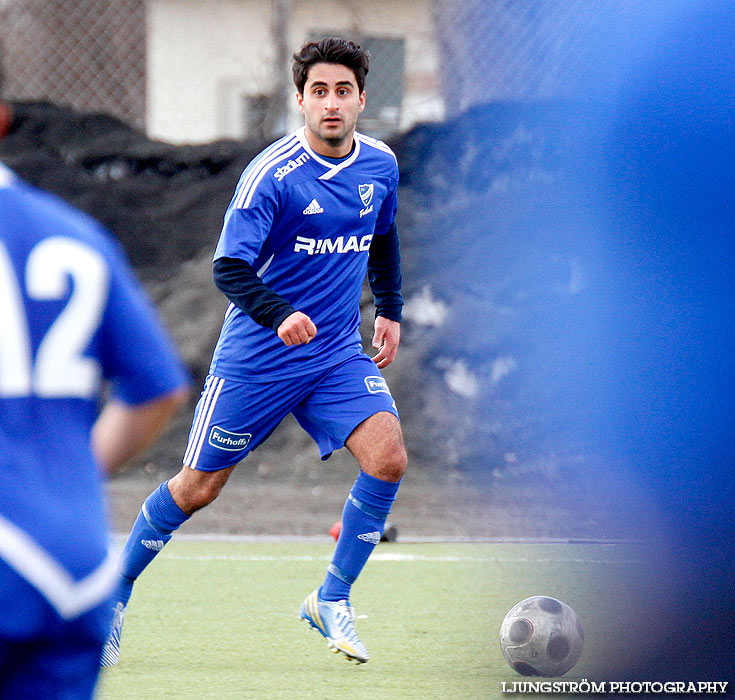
(388, 556)
(395, 557)
(438, 539)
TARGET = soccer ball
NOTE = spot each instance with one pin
(541, 636)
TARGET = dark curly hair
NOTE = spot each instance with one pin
(333, 49)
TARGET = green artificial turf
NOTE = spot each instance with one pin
(218, 619)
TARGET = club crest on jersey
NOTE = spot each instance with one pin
(377, 385)
(366, 195)
(226, 440)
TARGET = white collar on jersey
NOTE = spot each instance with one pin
(332, 168)
(6, 176)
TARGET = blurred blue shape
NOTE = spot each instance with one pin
(667, 167)
(665, 149)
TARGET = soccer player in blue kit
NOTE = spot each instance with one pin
(311, 215)
(71, 316)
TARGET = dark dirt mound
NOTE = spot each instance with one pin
(496, 272)
(163, 202)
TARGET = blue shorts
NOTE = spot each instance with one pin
(233, 417)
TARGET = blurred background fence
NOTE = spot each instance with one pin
(87, 54)
(196, 71)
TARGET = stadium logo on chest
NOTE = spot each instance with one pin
(366, 195)
(290, 166)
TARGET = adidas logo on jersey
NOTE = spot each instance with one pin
(313, 208)
(155, 545)
(371, 537)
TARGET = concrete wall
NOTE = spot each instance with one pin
(203, 57)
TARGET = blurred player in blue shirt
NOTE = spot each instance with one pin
(310, 217)
(72, 317)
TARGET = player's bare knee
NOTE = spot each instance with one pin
(392, 464)
(202, 494)
(192, 490)
(398, 463)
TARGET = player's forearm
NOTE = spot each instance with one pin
(122, 432)
(384, 274)
(237, 280)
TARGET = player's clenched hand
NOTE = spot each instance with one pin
(296, 329)
(386, 338)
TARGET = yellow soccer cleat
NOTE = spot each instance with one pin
(335, 621)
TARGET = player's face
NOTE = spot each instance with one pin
(330, 104)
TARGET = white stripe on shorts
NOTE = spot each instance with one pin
(219, 383)
(211, 390)
(199, 417)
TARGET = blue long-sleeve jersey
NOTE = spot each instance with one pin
(305, 224)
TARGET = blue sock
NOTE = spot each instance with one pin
(363, 522)
(157, 520)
